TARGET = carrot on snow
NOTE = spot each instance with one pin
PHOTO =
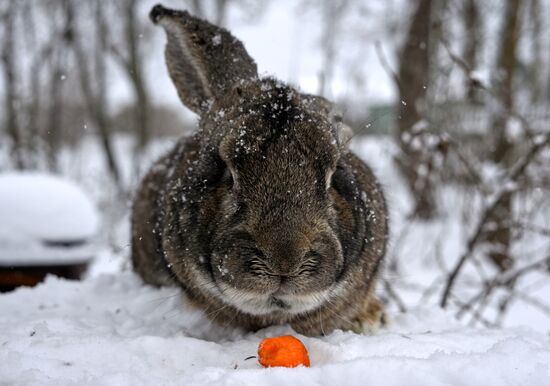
(282, 351)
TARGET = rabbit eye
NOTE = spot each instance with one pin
(229, 178)
(232, 182)
(235, 192)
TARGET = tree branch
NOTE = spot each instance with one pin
(516, 171)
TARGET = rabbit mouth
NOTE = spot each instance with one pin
(264, 304)
(279, 303)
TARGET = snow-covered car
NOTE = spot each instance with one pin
(47, 226)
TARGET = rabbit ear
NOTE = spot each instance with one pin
(204, 61)
(343, 132)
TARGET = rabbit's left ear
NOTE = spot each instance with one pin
(342, 131)
(204, 61)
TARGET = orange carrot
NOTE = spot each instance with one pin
(282, 351)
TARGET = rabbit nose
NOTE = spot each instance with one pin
(285, 268)
(285, 256)
(283, 278)
(285, 250)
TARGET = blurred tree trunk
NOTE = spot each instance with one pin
(135, 72)
(59, 56)
(472, 29)
(548, 80)
(39, 57)
(197, 9)
(132, 62)
(96, 100)
(220, 8)
(55, 99)
(221, 12)
(100, 110)
(332, 12)
(537, 82)
(499, 236)
(10, 84)
(414, 75)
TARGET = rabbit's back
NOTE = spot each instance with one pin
(148, 214)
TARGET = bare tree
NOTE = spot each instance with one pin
(129, 55)
(469, 285)
(516, 173)
(332, 13)
(33, 100)
(11, 97)
(472, 43)
(535, 16)
(413, 79)
(219, 10)
(499, 237)
(197, 8)
(96, 97)
(63, 36)
(216, 11)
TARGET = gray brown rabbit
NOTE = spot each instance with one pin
(264, 216)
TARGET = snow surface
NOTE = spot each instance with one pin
(37, 207)
(113, 330)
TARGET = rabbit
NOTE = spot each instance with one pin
(263, 216)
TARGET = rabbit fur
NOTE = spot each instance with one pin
(264, 216)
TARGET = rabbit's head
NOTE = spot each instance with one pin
(273, 154)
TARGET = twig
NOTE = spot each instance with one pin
(386, 65)
(543, 263)
(480, 309)
(531, 228)
(516, 171)
(393, 295)
(534, 302)
(464, 159)
(478, 317)
(510, 112)
(505, 280)
(503, 308)
(431, 289)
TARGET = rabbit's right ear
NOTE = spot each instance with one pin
(204, 61)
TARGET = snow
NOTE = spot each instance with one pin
(112, 329)
(481, 76)
(35, 208)
(217, 40)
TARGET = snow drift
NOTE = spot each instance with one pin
(114, 330)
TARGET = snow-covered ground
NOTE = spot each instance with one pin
(113, 330)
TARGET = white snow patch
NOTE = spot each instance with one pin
(514, 129)
(482, 76)
(217, 40)
(114, 330)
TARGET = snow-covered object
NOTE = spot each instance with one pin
(113, 330)
(44, 219)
